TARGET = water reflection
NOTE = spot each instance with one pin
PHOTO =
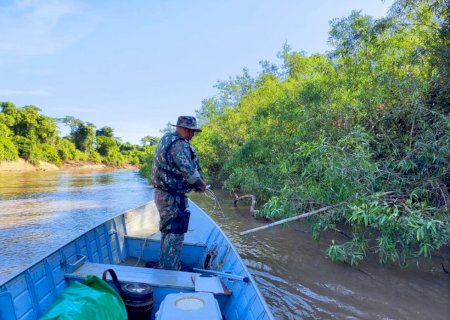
(16, 212)
(27, 184)
(41, 210)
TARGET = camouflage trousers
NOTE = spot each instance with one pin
(171, 244)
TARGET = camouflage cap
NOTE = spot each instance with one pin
(187, 122)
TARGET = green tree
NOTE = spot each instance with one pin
(8, 151)
(66, 150)
(108, 148)
(27, 133)
(148, 141)
(81, 134)
(106, 132)
(50, 154)
(29, 123)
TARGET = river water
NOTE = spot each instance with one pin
(39, 211)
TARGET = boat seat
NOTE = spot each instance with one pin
(174, 281)
(147, 234)
(145, 244)
(154, 277)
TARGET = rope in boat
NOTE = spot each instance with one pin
(209, 193)
(143, 247)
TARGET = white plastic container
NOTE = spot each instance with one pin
(195, 305)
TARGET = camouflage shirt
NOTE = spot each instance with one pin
(175, 166)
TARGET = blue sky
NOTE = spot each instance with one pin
(137, 65)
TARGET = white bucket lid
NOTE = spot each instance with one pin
(190, 303)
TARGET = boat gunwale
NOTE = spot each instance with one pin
(238, 256)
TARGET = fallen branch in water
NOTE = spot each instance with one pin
(341, 232)
(303, 215)
(252, 206)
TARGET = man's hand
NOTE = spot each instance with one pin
(200, 185)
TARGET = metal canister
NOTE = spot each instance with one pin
(138, 297)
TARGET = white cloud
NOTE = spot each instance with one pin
(35, 27)
(12, 92)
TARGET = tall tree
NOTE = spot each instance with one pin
(81, 134)
(105, 131)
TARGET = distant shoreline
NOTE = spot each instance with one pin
(21, 165)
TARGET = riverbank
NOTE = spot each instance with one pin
(21, 165)
(299, 281)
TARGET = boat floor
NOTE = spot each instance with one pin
(133, 262)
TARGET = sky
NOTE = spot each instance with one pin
(137, 65)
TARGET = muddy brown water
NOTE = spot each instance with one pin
(41, 210)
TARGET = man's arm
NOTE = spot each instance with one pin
(181, 155)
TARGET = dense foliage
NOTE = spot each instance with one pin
(28, 134)
(364, 127)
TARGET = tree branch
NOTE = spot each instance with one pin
(252, 206)
(303, 215)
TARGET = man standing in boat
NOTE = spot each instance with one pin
(176, 171)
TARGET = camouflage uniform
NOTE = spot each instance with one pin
(175, 170)
(171, 243)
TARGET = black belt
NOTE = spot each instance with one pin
(172, 192)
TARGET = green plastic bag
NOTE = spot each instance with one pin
(93, 299)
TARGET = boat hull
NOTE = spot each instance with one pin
(133, 238)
